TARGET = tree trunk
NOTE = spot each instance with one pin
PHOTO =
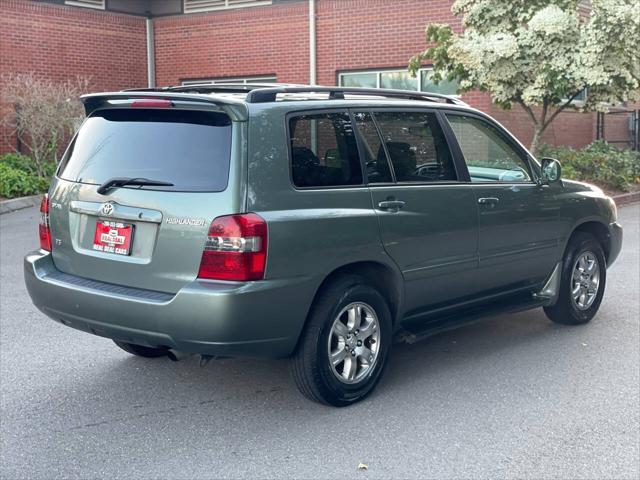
(537, 134)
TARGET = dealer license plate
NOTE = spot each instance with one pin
(113, 237)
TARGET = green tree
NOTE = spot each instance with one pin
(540, 53)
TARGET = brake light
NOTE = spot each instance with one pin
(236, 248)
(43, 228)
(151, 104)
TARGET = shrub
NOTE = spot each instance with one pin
(46, 113)
(599, 163)
(19, 178)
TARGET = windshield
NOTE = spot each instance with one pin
(189, 149)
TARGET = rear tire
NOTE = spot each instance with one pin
(584, 275)
(343, 349)
(141, 351)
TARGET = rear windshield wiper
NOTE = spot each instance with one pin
(122, 181)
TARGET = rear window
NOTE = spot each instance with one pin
(190, 149)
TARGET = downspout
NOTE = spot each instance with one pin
(312, 42)
(151, 57)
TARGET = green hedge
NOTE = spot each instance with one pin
(19, 177)
(598, 163)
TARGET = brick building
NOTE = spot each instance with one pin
(132, 43)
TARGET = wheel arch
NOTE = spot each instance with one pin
(599, 230)
(387, 280)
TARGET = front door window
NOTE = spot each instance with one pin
(489, 157)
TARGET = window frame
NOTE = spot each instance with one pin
(81, 4)
(243, 80)
(226, 6)
(461, 173)
(379, 71)
(504, 134)
(322, 111)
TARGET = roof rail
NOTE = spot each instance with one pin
(268, 92)
(222, 87)
(201, 88)
(266, 95)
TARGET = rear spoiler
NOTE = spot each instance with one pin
(236, 109)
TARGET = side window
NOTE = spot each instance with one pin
(375, 158)
(324, 151)
(488, 156)
(416, 146)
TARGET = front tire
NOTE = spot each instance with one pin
(584, 275)
(344, 346)
(140, 350)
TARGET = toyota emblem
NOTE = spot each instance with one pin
(106, 209)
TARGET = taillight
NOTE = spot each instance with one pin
(151, 104)
(43, 228)
(236, 248)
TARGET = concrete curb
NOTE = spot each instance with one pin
(625, 198)
(14, 204)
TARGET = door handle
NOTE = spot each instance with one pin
(393, 205)
(488, 200)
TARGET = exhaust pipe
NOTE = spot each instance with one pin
(176, 355)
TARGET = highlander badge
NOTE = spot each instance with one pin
(192, 222)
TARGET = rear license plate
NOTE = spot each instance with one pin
(113, 237)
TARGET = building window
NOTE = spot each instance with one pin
(98, 4)
(398, 79)
(196, 6)
(580, 98)
(214, 81)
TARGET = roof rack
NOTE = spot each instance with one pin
(265, 95)
(200, 88)
(268, 92)
(222, 87)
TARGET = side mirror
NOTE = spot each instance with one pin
(551, 171)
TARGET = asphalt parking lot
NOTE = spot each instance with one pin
(515, 396)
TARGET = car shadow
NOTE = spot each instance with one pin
(154, 387)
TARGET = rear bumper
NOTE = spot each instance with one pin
(261, 319)
(615, 230)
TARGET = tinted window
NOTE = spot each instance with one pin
(416, 146)
(375, 158)
(192, 150)
(488, 155)
(324, 151)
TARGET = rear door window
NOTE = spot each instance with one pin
(416, 146)
(324, 152)
(376, 161)
(190, 149)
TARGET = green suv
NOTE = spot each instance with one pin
(316, 223)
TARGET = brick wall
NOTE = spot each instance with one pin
(242, 42)
(570, 127)
(58, 42)
(351, 35)
(364, 34)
